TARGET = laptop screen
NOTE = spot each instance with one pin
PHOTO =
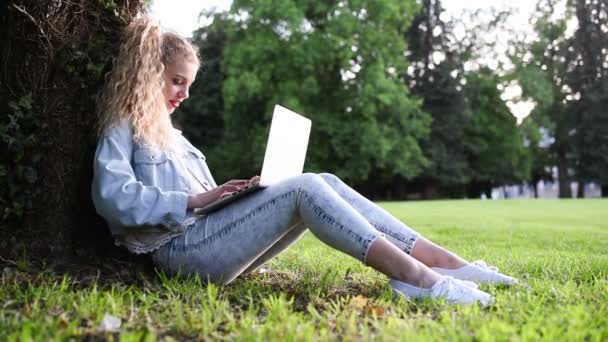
(286, 147)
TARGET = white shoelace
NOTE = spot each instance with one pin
(456, 292)
(445, 287)
(482, 264)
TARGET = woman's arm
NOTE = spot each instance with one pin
(226, 189)
(119, 197)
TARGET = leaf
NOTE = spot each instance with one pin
(30, 175)
(373, 309)
(359, 302)
(63, 320)
(26, 101)
(109, 323)
(13, 105)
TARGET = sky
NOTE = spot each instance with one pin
(182, 16)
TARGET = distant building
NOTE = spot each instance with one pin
(545, 190)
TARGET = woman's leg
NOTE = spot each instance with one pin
(425, 251)
(279, 247)
(227, 242)
(404, 237)
(440, 259)
(381, 250)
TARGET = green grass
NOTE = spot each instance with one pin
(558, 248)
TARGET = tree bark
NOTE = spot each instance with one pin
(44, 41)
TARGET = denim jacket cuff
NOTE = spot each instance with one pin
(179, 206)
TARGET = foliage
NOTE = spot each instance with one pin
(542, 160)
(588, 80)
(433, 80)
(18, 171)
(336, 63)
(54, 56)
(541, 64)
(343, 66)
(200, 117)
(474, 142)
(494, 145)
(311, 292)
(566, 76)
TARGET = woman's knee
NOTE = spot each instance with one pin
(330, 178)
(311, 178)
(308, 180)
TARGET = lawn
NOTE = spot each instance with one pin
(557, 248)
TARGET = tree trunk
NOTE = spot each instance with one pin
(62, 224)
(562, 173)
(604, 190)
(580, 191)
(488, 190)
(474, 190)
(534, 183)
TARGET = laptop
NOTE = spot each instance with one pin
(284, 157)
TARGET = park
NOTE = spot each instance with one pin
(458, 125)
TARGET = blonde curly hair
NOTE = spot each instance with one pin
(134, 89)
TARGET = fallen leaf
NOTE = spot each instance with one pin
(8, 303)
(359, 302)
(63, 320)
(378, 310)
(109, 323)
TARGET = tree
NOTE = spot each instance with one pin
(542, 69)
(473, 133)
(566, 75)
(588, 80)
(201, 117)
(337, 63)
(435, 76)
(493, 143)
(541, 159)
(55, 54)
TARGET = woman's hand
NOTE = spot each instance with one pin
(254, 180)
(226, 189)
(237, 185)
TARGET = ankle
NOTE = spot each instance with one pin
(451, 263)
(422, 277)
(430, 279)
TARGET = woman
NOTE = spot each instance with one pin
(149, 180)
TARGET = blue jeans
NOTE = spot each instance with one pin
(247, 233)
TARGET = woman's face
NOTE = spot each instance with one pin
(178, 78)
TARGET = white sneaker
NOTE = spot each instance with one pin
(467, 283)
(478, 272)
(453, 290)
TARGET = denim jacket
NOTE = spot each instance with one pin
(142, 191)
